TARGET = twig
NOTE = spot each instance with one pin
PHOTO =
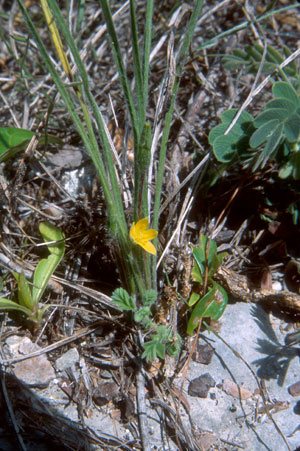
(142, 410)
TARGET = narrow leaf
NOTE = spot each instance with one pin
(24, 292)
(46, 267)
(7, 305)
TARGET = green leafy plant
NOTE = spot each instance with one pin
(163, 339)
(251, 58)
(210, 299)
(278, 126)
(29, 295)
(273, 134)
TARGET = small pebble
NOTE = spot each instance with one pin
(294, 389)
(200, 385)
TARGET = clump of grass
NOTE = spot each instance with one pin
(135, 254)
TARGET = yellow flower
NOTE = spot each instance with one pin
(141, 236)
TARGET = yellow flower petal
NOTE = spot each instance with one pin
(149, 247)
(149, 234)
(141, 236)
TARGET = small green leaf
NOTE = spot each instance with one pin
(270, 115)
(123, 300)
(292, 167)
(150, 351)
(273, 55)
(142, 315)
(271, 146)
(193, 299)
(150, 297)
(286, 170)
(217, 308)
(263, 133)
(161, 350)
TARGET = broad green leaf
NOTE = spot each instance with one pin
(14, 140)
(42, 274)
(46, 267)
(263, 133)
(226, 119)
(286, 170)
(274, 141)
(282, 89)
(235, 143)
(219, 131)
(50, 233)
(270, 115)
(199, 310)
(11, 137)
(292, 128)
(212, 305)
(204, 257)
(200, 257)
(217, 308)
(281, 103)
(225, 149)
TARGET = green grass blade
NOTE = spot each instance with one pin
(162, 156)
(147, 50)
(116, 210)
(137, 66)
(71, 105)
(120, 66)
